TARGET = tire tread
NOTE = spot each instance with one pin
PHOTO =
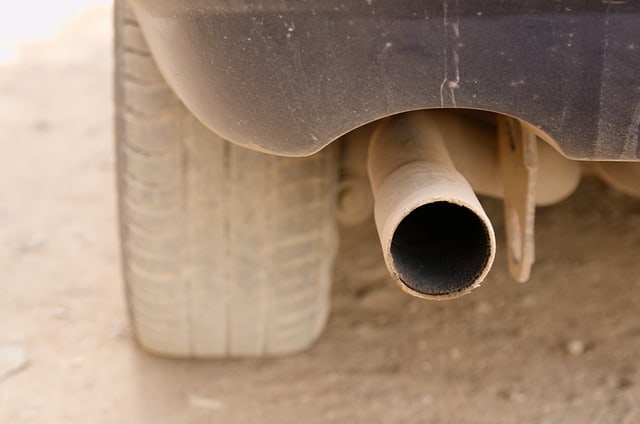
(226, 252)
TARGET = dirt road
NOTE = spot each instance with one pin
(563, 348)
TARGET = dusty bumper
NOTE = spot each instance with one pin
(292, 77)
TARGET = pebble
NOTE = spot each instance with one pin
(74, 362)
(426, 400)
(60, 312)
(41, 125)
(375, 299)
(514, 395)
(33, 242)
(575, 347)
(454, 353)
(13, 358)
(517, 396)
(483, 308)
(119, 331)
(203, 402)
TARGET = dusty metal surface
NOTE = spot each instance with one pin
(623, 176)
(436, 239)
(519, 164)
(472, 143)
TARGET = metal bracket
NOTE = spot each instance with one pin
(519, 163)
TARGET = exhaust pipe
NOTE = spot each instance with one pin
(437, 241)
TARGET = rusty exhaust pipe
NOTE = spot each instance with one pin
(436, 239)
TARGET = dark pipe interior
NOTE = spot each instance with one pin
(440, 248)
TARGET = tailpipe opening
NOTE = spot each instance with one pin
(436, 239)
(441, 249)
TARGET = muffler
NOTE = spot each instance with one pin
(436, 239)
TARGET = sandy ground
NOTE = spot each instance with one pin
(564, 348)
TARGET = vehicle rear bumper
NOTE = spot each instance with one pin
(290, 77)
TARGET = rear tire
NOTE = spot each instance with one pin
(226, 252)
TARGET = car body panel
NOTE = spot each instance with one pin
(290, 76)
